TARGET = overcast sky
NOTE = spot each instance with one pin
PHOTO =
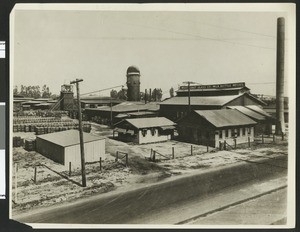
(55, 47)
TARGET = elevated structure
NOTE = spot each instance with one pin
(66, 97)
(133, 83)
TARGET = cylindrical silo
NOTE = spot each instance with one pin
(133, 83)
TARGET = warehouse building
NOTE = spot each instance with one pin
(145, 130)
(210, 127)
(177, 107)
(64, 147)
(263, 119)
(116, 113)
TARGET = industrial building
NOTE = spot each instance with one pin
(177, 107)
(114, 114)
(64, 147)
(210, 127)
(145, 130)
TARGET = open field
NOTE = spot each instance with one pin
(55, 186)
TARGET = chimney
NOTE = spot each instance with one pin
(280, 126)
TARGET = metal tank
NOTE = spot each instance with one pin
(133, 83)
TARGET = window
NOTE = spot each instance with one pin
(249, 130)
(226, 133)
(220, 134)
(232, 133)
(244, 131)
(238, 130)
(152, 131)
(144, 132)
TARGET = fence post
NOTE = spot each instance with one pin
(34, 177)
(191, 149)
(154, 156)
(127, 160)
(206, 148)
(151, 152)
(282, 136)
(225, 145)
(248, 141)
(234, 143)
(16, 181)
(173, 153)
(100, 163)
(273, 138)
(70, 168)
(117, 156)
(220, 145)
(262, 138)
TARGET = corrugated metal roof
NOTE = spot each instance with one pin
(129, 107)
(225, 117)
(201, 100)
(248, 112)
(140, 123)
(68, 137)
(258, 110)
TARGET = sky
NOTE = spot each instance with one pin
(54, 47)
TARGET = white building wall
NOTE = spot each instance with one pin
(149, 138)
(92, 151)
(240, 139)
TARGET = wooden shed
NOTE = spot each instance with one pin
(64, 147)
(210, 127)
(145, 130)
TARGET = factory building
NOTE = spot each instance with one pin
(133, 83)
(64, 147)
(177, 107)
(145, 130)
(116, 113)
(96, 101)
(210, 127)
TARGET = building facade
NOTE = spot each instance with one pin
(212, 127)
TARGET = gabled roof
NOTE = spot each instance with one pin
(68, 138)
(201, 100)
(140, 123)
(258, 110)
(207, 100)
(129, 107)
(225, 118)
(248, 112)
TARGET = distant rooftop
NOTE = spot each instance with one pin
(141, 123)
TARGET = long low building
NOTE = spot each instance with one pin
(210, 127)
(64, 147)
(145, 130)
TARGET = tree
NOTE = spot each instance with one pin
(46, 92)
(122, 94)
(171, 92)
(16, 90)
(113, 93)
(156, 94)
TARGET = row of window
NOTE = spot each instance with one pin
(234, 132)
(152, 131)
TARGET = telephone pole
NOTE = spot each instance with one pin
(80, 133)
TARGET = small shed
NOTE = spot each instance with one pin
(64, 147)
(209, 127)
(145, 130)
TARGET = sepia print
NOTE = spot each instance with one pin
(153, 115)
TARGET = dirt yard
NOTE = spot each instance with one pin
(54, 185)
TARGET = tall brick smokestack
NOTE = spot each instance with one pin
(280, 126)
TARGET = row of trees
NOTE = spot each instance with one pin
(34, 91)
(156, 94)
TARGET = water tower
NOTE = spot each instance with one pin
(133, 83)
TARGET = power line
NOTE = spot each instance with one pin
(228, 28)
(196, 36)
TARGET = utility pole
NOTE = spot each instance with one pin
(189, 94)
(111, 123)
(80, 133)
